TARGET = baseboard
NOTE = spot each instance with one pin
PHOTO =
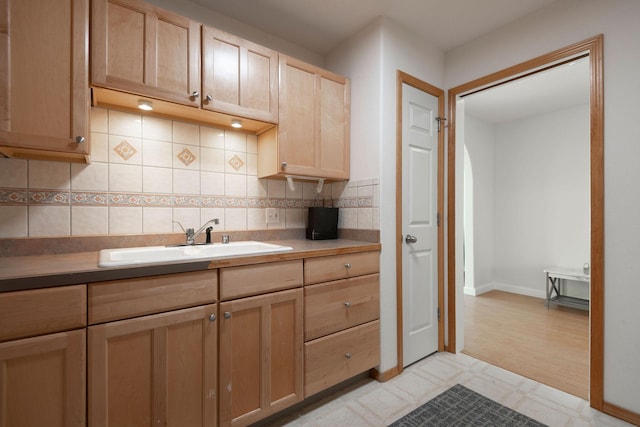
(541, 293)
(479, 290)
(623, 414)
(384, 376)
(537, 293)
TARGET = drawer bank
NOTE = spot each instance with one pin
(225, 342)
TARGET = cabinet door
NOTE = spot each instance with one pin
(139, 48)
(239, 77)
(154, 370)
(260, 356)
(335, 108)
(298, 127)
(44, 92)
(43, 381)
(313, 136)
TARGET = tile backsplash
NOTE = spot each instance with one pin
(145, 173)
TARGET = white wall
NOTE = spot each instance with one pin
(479, 137)
(359, 59)
(374, 56)
(541, 198)
(553, 27)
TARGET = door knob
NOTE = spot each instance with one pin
(410, 239)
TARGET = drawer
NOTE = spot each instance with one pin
(340, 356)
(122, 299)
(247, 280)
(333, 306)
(336, 267)
(42, 311)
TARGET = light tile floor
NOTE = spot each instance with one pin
(371, 403)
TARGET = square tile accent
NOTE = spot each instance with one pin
(186, 157)
(125, 150)
(236, 162)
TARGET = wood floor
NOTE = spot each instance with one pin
(518, 333)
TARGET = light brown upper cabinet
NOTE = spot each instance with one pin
(141, 49)
(239, 77)
(312, 138)
(44, 91)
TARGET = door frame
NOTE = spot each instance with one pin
(404, 78)
(594, 47)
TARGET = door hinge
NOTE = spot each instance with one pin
(440, 119)
(438, 314)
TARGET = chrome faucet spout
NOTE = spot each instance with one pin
(191, 234)
(215, 221)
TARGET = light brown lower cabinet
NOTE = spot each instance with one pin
(260, 356)
(340, 356)
(43, 381)
(155, 370)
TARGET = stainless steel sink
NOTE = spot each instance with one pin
(166, 254)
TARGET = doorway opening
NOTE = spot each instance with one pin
(593, 48)
(526, 209)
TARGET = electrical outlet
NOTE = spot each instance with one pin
(273, 216)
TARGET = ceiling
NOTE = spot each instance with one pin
(321, 25)
(551, 90)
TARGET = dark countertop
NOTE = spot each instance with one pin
(42, 271)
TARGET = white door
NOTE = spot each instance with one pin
(419, 224)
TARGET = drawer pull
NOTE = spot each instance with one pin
(227, 315)
(347, 265)
(347, 355)
(347, 304)
(212, 317)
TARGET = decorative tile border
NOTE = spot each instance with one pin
(359, 201)
(19, 197)
(13, 197)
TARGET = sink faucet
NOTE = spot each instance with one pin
(191, 234)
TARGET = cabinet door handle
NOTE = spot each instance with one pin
(212, 317)
(80, 139)
(195, 94)
(347, 355)
(347, 304)
(227, 315)
(208, 98)
(347, 265)
(283, 165)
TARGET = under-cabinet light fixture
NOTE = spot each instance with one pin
(235, 123)
(145, 105)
